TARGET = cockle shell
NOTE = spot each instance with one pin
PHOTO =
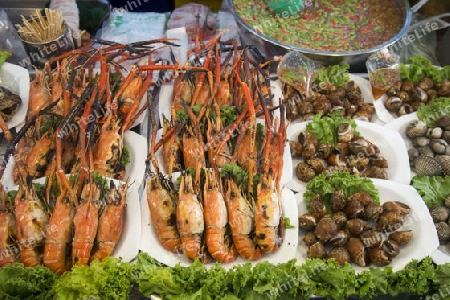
(444, 161)
(439, 213)
(316, 250)
(340, 254)
(325, 229)
(426, 165)
(416, 128)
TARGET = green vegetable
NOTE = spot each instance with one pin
(10, 196)
(109, 279)
(326, 185)
(421, 67)
(432, 189)
(18, 282)
(288, 223)
(125, 159)
(325, 129)
(4, 55)
(431, 112)
(336, 74)
(182, 114)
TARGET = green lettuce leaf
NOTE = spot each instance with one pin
(431, 112)
(326, 185)
(336, 74)
(432, 189)
(109, 279)
(4, 55)
(325, 128)
(416, 278)
(420, 67)
(18, 282)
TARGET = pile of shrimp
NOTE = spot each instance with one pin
(219, 218)
(80, 105)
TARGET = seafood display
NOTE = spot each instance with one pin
(326, 98)
(77, 118)
(67, 231)
(227, 136)
(360, 225)
(405, 97)
(430, 151)
(347, 152)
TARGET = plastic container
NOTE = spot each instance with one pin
(383, 68)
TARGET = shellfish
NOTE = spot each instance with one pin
(9, 103)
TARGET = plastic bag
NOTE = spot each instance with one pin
(418, 41)
(186, 16)
(70, 14)
(298, 71)
(10, 41)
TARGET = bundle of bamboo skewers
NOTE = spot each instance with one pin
(42, 28)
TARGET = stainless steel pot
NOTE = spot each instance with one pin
(271, 47)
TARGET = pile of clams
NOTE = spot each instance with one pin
(357, 230)
(405, 97)
(355, 155)
(326, 98)
(441, 219)
(430, 154)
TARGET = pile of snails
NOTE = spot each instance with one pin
(430, 154)
(441, 219)
(355, 155)
(326, 98)
(405, 97)
(357, 230)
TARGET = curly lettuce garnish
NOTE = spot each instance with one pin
(432, 189)
(421, 67)
(336, 74)
(326, 185)
(325, 128)
(431, 112)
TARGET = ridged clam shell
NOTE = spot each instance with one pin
(439, 213)
(425, 151)
(425, 165)
(446, 136)
(416, 128)
(443, 121)
(444, 161)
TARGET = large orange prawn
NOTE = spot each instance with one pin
(220, 245)
(111, 222)
(241, 215)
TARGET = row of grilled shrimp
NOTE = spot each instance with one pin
(65, 236)
(216, 223)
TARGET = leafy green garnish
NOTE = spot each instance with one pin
(336, 74)
(227, 114)
(421, 67)
(288, 223)
(11, 195)
(125, 159)
(235, 172)
(432, 189)
(4, 55)
(326, 185)
(109, 279)
(431, 112)
(325, 128)
(182, 114)
(19, 282)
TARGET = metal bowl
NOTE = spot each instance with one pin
(356, 59)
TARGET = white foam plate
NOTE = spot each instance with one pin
(391, 144)
(135, 170)
(17, 80)
(287, 251)
(424, 241)
(128, 245)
